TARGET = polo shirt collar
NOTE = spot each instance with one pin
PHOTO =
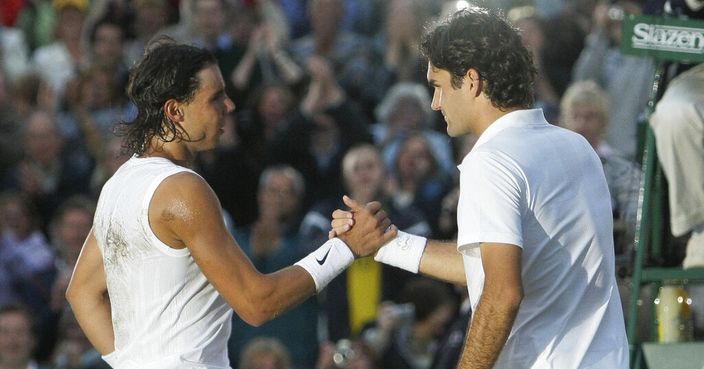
(518, 118)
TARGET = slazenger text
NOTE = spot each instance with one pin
(669, 38)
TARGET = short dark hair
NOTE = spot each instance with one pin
(168, 70)
(483, 40)
(105, 21)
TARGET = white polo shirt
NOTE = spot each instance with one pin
(542, 188)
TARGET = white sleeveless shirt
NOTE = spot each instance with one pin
(165, 313)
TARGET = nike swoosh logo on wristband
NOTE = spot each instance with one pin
(322, 261)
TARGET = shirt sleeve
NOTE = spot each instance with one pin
(491, 199)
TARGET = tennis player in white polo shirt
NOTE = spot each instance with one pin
(535, 244)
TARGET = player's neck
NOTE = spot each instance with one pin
(489, 116)
(176, 152)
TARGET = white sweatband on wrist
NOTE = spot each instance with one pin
(327, 262)
(404, 252)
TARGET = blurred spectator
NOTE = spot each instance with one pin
(232, 170)
(258, 55)
(555, 44)
(50, 171)
(451, 344)
(26, 256)
(550, 8)
(18, 338)
(37, 20)
(417, 179)
(533, 36)
(150, 17)
(118, 12)
(410, 341)
(265, 353)
(272, 243)
(265, 60)
(9, 10)
(10, 127)
(397, 44)
(564, 43)
(60, 60)
(107, 48)
(627, 79)
(347, 354)
(27, 269)
(446, 228)
(585, 110)
(210, 32)
(361, 16)
(266, 117)
(447, 220)
(110, 158)
(183, 29)
(349, 54)
(14, 54)
(405, 110)
(678, 125)
(295, 12)
(94, 103)
(69, 229)
(73, 350)
(364, 17)
(352, 299)
(30, 93)
(245, 18)
(581, 12)
(318, 135)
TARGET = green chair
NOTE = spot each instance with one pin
(650, 37)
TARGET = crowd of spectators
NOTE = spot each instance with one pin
(331, 99)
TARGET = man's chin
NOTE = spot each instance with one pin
(451, 132)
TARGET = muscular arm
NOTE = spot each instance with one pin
(497, 307)
(88, 295)
(185, 212)
(441, 260)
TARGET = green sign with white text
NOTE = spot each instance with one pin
(663, 38)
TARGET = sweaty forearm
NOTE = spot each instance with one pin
(278, 292)
(286, 289)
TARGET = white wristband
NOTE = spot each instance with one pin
(404, 252)
(327, 262)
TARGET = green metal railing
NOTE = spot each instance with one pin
(665, 40)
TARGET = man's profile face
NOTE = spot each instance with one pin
(453, 103)
(204, 116)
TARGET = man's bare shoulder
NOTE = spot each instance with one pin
(182, 202)
(182, 191)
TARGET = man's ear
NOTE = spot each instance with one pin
(173, 110)
(475, 82)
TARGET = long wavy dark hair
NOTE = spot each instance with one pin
(168, 70)
(482, 39)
